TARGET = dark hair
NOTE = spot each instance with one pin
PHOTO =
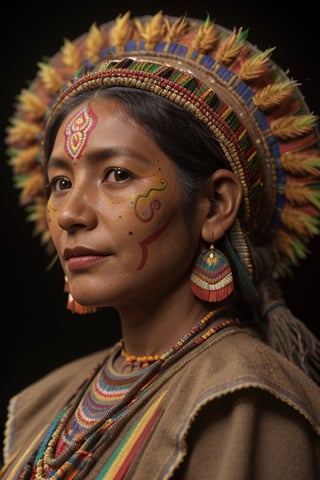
(181, 136)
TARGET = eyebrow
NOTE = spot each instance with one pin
(98, 155)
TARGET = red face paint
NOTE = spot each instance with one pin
(147, 241)
(77, 132)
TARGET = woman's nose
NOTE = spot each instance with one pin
(77, 211)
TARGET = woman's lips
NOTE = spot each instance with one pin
(81, 257)
(84, 261)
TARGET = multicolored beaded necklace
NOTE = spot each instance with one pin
(146, 360)
(88, 424)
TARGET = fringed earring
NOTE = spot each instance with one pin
(211, 277)
(74, 306)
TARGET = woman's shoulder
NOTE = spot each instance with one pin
(242, 357)
(44, 398)
(240, 361)
(68, 373)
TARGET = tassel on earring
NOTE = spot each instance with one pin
(74, 306)
(211, 277)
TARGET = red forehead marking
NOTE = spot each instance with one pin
(78, 130)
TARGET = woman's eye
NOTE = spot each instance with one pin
(117, 175)
(58, 184)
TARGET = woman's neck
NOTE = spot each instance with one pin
(152, 331)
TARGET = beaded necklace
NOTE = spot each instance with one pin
(75, 441)
(136, 360)
(146, 360)
(104, 392)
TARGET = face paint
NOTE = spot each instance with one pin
(50, 210)
(146, 205)
(77, 132)
(144, 245)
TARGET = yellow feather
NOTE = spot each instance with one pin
(51, 79)
(21, 131)
(206, 38)
(153, 31)
(230, 47)
(301, 164)
(94, 43)
(24, 160)
(37, 213)
(256, 65)
(122, 30)
(70, 56)
(31, 104)
(177, 30)
(285, 245)
(298, 193)
(300, 222)
(274, 94)
(292, 250)
(293, 126)
(33, 186)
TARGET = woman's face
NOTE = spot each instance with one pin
(115, 210)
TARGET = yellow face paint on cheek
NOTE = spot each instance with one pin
(78, 130)
(50, 208)
(147, 204)
(50, 211)
(145, 207)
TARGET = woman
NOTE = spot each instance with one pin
(181, 169)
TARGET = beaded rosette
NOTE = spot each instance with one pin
(258, 115)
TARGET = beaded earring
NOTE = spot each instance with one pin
(74, 306)
(211, 277)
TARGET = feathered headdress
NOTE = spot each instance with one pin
(257, 113)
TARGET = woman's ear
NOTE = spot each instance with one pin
(225, 195)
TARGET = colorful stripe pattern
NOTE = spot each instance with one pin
(130, 446)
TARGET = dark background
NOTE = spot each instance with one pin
(36, 332)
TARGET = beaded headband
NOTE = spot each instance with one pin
(258, 115)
